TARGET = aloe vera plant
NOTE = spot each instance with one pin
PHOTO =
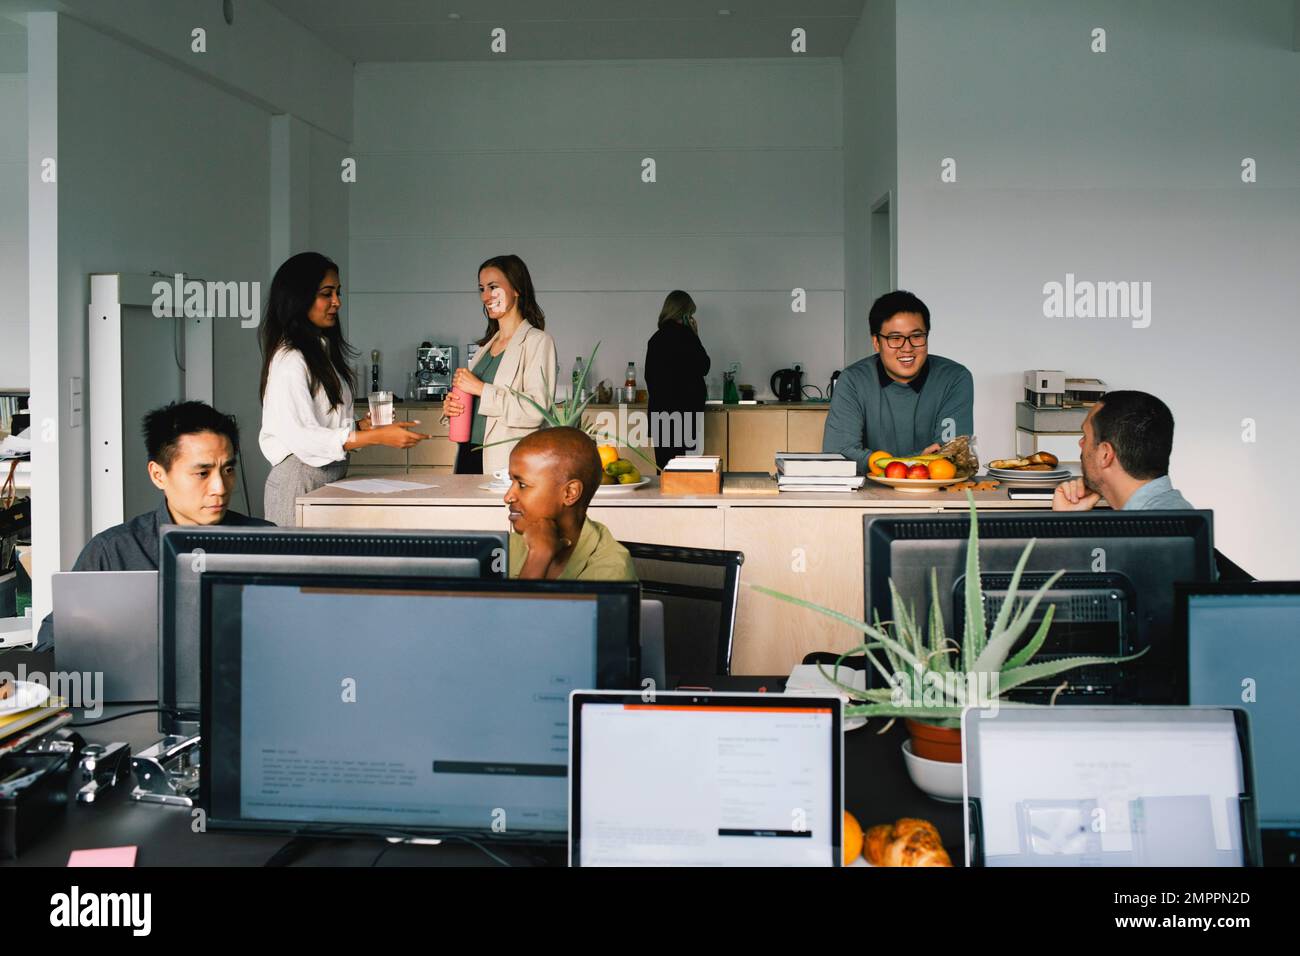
(569, 414)
(925, 683)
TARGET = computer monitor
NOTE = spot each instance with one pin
(1116, 598)
(1108, 786)
(360, 704)
(705, 779)
(1243, 650)
(187, 553)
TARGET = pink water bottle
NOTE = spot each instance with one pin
(460, 424)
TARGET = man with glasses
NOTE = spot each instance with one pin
(902, 399)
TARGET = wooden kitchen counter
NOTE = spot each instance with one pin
(805, 544)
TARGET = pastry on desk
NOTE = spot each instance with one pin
(1038, 461)
(906, 842)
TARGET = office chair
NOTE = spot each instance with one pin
(698, 588)
(1229, 570)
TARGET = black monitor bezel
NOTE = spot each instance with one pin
(176, 541)
(609, 594)
(578, 698)
(1184, 592)
(880, 531)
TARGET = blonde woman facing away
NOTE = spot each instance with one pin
(306, 390)
(515, 354)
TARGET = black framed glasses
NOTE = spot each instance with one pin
(918, 340)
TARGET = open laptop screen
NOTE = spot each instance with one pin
(717, 780)
(1106, 786)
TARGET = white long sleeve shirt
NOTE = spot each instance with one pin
(295, 422)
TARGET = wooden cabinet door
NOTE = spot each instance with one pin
(804, 429)
(753, 439)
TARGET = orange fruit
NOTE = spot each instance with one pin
(942, 468)
(875, 457)
(852, 838)
(608, 455)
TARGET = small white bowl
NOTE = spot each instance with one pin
(939, 779)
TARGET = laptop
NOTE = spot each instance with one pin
(704, 779)
(1086, 786)
(106, 622)
(1243, 650)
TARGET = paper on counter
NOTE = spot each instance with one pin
(378, 486)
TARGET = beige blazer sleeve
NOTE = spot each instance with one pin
(527, 366)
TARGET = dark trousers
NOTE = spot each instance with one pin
(469, 459)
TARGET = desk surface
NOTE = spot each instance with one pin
(876, 790)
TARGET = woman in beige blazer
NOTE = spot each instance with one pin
(515, 353)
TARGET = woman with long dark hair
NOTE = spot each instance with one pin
(515, 353)
(675, 366)
(307, 385)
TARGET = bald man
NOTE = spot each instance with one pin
(553, 475)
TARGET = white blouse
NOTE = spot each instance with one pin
(295, 422)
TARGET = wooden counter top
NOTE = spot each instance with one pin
(464, 490)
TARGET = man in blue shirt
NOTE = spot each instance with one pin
(902, 399)
(1124, 453)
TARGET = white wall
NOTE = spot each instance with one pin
(461, 161)
(162, 166)
(13, 205)
(1122, 165)
(870, 159)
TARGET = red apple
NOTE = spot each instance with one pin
(918, 471)
(896, 469)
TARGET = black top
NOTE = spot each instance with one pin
(132, 546)
(675, 366)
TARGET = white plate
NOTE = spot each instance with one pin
(617, 489)
(1015, 474)
(493, 486)
(27, 694)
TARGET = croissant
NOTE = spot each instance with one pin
(907, 842)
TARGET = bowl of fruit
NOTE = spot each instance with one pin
(914, 472)
(618, 474)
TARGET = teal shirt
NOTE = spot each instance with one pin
(487, 372)
(870, 411)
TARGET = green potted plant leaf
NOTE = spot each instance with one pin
(932, 678)
(569, 414)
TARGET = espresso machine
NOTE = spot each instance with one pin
(434, 367)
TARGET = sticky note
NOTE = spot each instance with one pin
(107, 856)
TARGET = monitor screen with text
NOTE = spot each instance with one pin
(407, 709)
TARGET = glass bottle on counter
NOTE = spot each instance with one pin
(629, 384)
(579, 387)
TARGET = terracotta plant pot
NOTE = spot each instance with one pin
(935, 743)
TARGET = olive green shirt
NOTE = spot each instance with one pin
(486, 372)
(596, 557)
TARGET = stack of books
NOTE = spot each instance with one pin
(816, 471)
(28, 714)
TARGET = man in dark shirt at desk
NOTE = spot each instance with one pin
(902, 399)
(193, 453)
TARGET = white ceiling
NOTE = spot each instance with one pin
(415, 30)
